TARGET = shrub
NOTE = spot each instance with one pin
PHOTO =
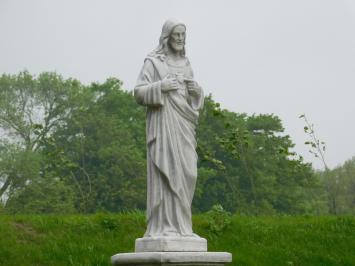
(218, 219)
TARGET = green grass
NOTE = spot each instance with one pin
(93, 239)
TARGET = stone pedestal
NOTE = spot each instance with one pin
(169, 244)
(185, 251)
(172, 258)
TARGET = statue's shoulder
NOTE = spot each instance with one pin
(156, 62)
(156, 59)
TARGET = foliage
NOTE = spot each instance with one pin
(218, 219)
(17, 166)
(247, 165)
(338, 184)
(90, 140)
(31, 109)
(90, 137)
(103, 141)
(90, 239)
(316, 146)
(49, 195)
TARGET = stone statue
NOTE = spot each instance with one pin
(173, 98)
(166, 86)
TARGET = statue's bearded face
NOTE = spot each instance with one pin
(177, 38)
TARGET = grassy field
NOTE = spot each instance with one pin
(92, 239)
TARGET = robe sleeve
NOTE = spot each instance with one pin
(196, 101)
(147, 91)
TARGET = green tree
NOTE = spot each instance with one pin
(88, 141)
(104, 141)
(31, 109)
(339, 183)
(17, 167)
(247, 164)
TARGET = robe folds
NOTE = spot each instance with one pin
(171, 150)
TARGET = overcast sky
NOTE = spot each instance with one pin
(264, 56)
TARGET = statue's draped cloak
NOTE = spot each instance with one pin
(171, 152)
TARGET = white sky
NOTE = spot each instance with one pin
(255, 56)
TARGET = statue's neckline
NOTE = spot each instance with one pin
(180, 63)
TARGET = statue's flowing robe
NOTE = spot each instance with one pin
(171, 151)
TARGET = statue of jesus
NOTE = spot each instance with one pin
(166, 86)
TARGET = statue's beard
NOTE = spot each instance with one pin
(176, 47)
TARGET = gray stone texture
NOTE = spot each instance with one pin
(172, 258)
(166, 87)
(168, 244)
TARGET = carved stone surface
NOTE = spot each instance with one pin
(166, 87)
(168, 244)
(173, 99)
(172, 258)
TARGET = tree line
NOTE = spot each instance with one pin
(67, 147)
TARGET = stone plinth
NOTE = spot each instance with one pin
(172, 258)
(170, 244)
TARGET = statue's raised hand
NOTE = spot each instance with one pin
(169, 84)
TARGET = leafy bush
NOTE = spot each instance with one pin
(106, 221)
(218, 219)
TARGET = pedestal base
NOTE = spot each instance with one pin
(172, 258)
(164, 244)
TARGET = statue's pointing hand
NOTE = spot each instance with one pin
(169, 84)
